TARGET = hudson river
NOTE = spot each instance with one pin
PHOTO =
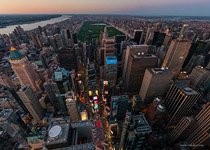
(30, 26)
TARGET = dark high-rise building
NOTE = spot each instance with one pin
(75, 40)
(155, 83)
(178, 101)
(158, 39)
(198, 76)
(200, 133)
(31, 102)
(119, 106)
(10, 99)
(137, 132)
(11, 122)
(182, 129)
(156, 111)
(137, 36)
(137, 64)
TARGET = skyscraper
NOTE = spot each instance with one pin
(200, 133)
(198, 76)
(109, 48)
(137, 36)
(52, 90)
(24, 70)
(31, 102)
(176, 55)
(133, 49)
(180, 131)
(184, 31)
(137, 133)
(6, 81)
(11, 122)
(179, 100)
(119, 106)
(110, 69)
(72, 106)
(137, 64)
(156, 111)
(155, 83)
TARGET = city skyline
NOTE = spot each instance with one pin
(134, 7)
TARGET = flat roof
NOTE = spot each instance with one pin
(58, 136)
(186, 89)
(159, 70)
(142, 55)
(142, 126)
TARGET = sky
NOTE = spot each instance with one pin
(131, 7)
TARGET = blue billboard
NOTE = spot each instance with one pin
(111, 60)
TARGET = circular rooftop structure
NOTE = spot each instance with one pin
(55, 131)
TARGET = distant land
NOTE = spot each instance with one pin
(7, 20)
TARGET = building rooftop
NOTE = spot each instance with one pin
(81, 124)
(143, 55)
(15, 54)
(58, 134)
(141, 124)
(5, 114)
(186, 89)
(60, 74)
(159, 70)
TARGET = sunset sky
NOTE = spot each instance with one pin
(137, 7)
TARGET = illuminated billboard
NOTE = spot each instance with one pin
(111, 60)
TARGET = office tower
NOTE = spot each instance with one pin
(67, 58)
(24, 70)
(91, 73)
(11, 122)
(137, 133)
(155, 83)
(149, 35)
(176, 55)
(156, 111)
(10, 99)
(75, 40)
(31, 102)
(52, 90)
(137, 64)
(182, 129)
(178, 101)
(109, 48)
(196, 60)
(158, 39)
(59, 41)
(184, 31)
(198, 76)
(125, 129)
(200, 133)
(6, 81)
(134, 49)
(119, 106)
(72, 106)
(110, 69)
(137, 36)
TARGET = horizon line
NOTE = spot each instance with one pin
(120, 14)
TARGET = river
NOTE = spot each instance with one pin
(30, 26)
